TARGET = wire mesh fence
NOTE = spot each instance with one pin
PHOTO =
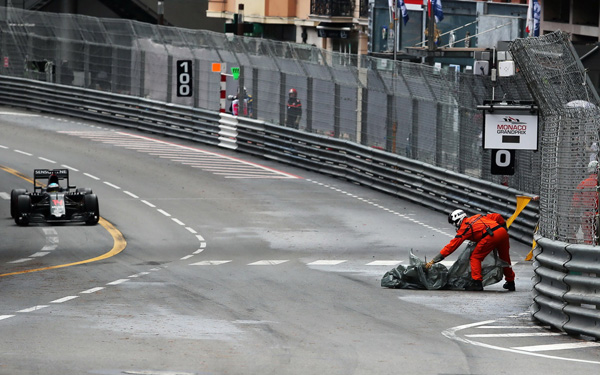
(413, 110)
(569, 105)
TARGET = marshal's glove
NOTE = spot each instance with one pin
(437, 258)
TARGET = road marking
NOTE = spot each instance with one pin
(117, 282)
(91, 176)
(191, 230)
(48, 160)
(164, 212)
(23, 153)
(18, 114)
(267, 262)
(325, 262)
(183, 154)
(71, 168)
(549, 347)
(522, 334)
(112, 185)
(22, 260)
(178, 221)
(93, 290)
(64, 299)
(4, 195)
(210, 263)
(148, 204)
(451, 334)
(131, 194)
(34, 308)
(2, 317)
(186, 257)
(514, 327)
(40, 254)
(384, 263)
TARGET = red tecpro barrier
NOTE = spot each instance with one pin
(223, 100)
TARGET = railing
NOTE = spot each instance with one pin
(364, 9)
(566, 291)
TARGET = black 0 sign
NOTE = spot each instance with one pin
(184, 77)
(503, 162)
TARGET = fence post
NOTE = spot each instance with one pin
(309, 106)
(282, 98)
(142, 73)
(170, 79)
(413, 137)
(439, 134)
(336, 110)
(389, 123)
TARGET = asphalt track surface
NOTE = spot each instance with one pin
(209, 261)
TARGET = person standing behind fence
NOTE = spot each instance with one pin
(294, 110)
(584, 205)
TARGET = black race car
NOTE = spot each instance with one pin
(54, 202)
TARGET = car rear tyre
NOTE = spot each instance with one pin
(91, 206)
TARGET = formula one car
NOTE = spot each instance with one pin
(53, 202)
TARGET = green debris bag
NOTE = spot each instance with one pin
(415, 276)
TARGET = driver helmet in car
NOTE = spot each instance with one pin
(53, 186)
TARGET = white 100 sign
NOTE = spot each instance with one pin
(184, 77)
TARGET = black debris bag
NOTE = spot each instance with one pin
(415, 276)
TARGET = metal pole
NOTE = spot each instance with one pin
(240, 20)
(431, 28)
(161, 12)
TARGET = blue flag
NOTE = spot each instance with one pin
(533, 18)
(437, 10)
(402, 6)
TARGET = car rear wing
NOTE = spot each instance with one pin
(44, 174)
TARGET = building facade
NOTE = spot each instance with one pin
(365, 26)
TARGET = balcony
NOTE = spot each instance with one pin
(364, 9)
(332, 8)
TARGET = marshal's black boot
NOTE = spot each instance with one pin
(475, 285)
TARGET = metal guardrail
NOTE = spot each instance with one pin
(114, 109)
(408, 179)
(421, 183)
(566, 292)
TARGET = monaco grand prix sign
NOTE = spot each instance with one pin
(510, 130)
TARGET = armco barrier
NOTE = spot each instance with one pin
(566, 292)
(412, 180)
(418, 182)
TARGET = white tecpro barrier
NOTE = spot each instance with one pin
(228, 131)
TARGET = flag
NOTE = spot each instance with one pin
(533, 18)
(436, 6)
(402, 6)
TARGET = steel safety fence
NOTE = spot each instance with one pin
(412, 110)
(567, 258)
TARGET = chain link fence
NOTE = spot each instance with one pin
(413, 110)
(569, 106)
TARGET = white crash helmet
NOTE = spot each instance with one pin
(593, 166)
(456, 218)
